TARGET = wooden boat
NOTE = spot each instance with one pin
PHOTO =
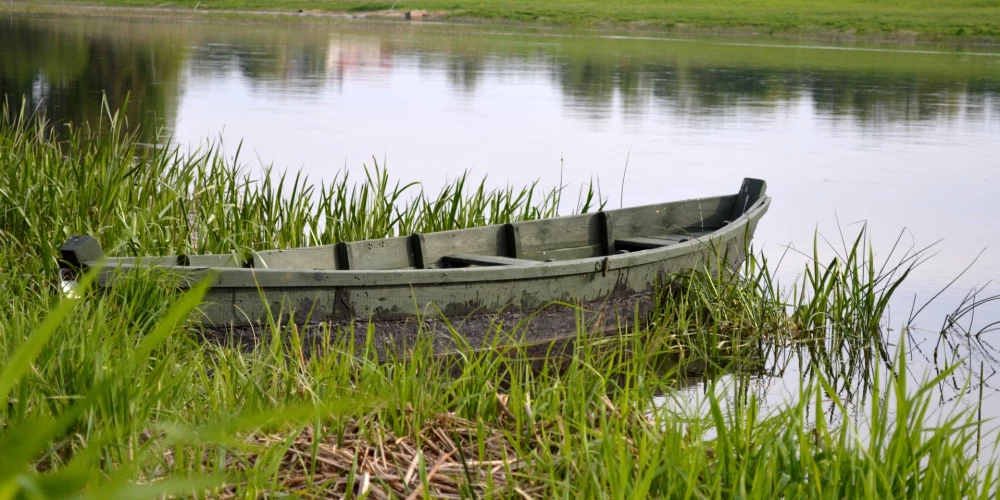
(517, 268)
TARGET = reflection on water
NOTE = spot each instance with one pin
(65, 64)
(63, 68)
(689, 81)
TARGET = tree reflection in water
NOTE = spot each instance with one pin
(64, 65)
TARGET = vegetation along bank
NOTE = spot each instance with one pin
(963, 21)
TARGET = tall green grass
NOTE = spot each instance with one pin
(117, 395)
(150, 198)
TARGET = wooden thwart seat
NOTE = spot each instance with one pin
(462, 260)
(649, 242)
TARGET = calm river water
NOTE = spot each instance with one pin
(906, 138)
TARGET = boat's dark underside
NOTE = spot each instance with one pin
(538, 332)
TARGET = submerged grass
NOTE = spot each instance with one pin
(118, 396)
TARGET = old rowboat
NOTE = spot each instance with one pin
(594, 258)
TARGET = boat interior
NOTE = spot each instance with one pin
(515, 244)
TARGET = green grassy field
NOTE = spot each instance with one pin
(887, 19)
(118, 395)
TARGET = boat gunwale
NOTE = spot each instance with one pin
(231, 277)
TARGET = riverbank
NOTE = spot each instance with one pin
(951, 21)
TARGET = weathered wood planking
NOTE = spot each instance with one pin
(165, 260)
(637, 244)
(513, 240)
(321, 257)
(216, 260)
(750, 192)
(700, 214)
(555, 254)
(460, 260)
(523, 265)
(276, 278)
(219, 260)
(389, 253)
(657, 241)
(487, 241)
(288, 297)
(559, 233)
(361, 303)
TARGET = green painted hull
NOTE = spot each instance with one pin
(511, 268)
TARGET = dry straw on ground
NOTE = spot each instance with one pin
(443, 460)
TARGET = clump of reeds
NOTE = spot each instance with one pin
(148, 199)
(175, 416)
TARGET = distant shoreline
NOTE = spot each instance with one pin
(937, 31)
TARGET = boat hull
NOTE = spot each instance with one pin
(610, 286)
